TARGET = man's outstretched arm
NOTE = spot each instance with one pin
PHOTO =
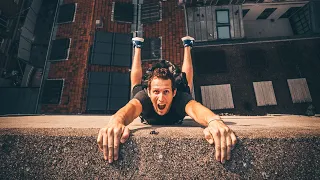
(216, 132)
(116, 131)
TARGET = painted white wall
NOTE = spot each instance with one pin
(266, 28)
(257, 9)
(261, 28)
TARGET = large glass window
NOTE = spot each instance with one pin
(223, 24)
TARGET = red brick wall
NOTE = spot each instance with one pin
(76, 68)
(171, 29)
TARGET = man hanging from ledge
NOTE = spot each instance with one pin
(163, 100)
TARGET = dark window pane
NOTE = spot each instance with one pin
(66, 13)
(244, 12)
(99, 77)
(123, 12)
(103, 59)
(52, 91)
(150, 12)
(151, 49)
(98, 90)
(97, 104)
(103, 37)
(290, 12)
(60, 49)
(266, 13)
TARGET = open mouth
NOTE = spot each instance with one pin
(161, 106)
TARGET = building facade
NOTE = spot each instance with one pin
(244, 54)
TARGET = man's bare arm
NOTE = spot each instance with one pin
(116, 131)
(128, 113)
(200, 113)
(216, 132)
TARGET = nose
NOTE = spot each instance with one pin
(160, 97)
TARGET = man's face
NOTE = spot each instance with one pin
(161, 95)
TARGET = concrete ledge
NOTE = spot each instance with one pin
(64, 147)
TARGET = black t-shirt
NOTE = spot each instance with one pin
(174, 116)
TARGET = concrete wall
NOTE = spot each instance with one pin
(257, 9)
(267, 28)
(45, 147)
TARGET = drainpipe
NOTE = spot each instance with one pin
(46, 61)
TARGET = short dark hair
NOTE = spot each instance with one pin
(162, 73)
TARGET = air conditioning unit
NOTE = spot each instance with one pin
(99, 23)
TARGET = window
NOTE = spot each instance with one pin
(112, 49)
(290, 12)
(264, 93)
(266, 13)
(122, 12)
(299, 90)
(209, 62)
(151, 12)
(217, 96)
(60, 49)
(52, 91)
(300, 21)
(107, 91)
(151, 49)
(245, 12)
(223, 24)
(67, 13)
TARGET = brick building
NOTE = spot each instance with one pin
(243, 50)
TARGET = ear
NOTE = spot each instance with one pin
(174, 92)
(148, 92)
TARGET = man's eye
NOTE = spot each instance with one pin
(156, 91)
(166, 92)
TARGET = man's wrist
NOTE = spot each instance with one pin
(218, 118)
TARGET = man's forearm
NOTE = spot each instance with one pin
(200, 113)
(128, 113)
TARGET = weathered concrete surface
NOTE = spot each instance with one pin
(64, 147)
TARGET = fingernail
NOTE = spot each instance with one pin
(223, 161)
(105, 158)
(110, 161)
(115, 158)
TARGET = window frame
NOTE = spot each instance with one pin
(61, 92)
(223, 24)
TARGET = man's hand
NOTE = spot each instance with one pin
(109, 139)
(223, 138)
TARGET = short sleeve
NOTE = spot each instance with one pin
(180, 102)
(144, 99)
